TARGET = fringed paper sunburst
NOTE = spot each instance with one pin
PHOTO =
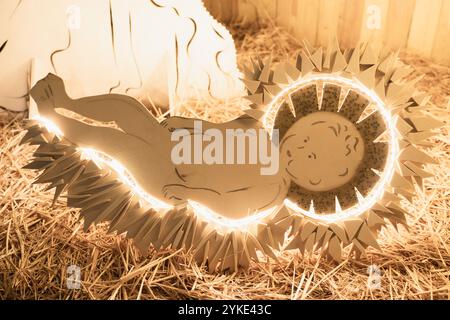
(350, 127)
(357, 125)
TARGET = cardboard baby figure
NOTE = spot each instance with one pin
(231, 188)
(146, 49)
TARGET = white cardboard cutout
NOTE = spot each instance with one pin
(142, 48)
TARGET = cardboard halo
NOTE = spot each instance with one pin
(386, 110)
(285, 97)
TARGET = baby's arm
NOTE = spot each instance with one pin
(229, 203)
(242, 122)
(258, 197)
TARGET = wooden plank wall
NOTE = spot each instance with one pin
(421, 26)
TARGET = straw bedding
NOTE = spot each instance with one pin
(38, 242)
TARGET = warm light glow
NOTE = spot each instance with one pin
(103, 160)
(49, 125)
(242, 223)
(377, 192)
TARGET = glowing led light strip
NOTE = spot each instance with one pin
(242, 223)
(49, 125)
(101, 159)
(377, 192)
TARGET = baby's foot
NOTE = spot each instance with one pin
(50, 92)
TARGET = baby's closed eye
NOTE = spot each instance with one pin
(312, 155)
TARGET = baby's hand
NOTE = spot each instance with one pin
(174, 123)
(177, 193)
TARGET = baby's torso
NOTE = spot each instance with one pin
(226, 158)
(239, 166)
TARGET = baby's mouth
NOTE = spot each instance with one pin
(315, 183)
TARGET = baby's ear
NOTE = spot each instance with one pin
(353, 143)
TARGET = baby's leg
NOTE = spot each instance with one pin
(48, 97)
(130, 115)
(148, 162)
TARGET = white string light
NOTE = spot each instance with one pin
(242, 223)
(377, 192)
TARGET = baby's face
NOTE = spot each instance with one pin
(321, 151)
